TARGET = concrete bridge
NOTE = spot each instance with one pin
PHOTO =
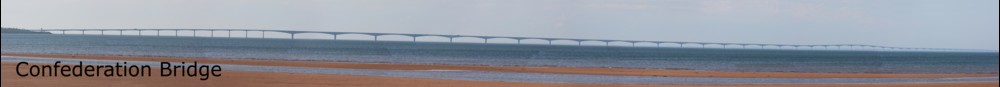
(486, 39)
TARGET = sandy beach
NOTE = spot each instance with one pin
(555, 70)
(266, 79)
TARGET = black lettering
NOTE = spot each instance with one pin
(19, 69)
(204, 72)
(165, 69)
(35, 71)
(89, 71)
(78, 69)
(147, 70)
(109, 72)
(215, 70)
(41, 71)
(118, 70)
(133, 71)
(191, 70)
(63, 70)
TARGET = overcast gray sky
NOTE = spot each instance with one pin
(971, 24)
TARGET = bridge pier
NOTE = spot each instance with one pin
(246, 34)
(414, 38)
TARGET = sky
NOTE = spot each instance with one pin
(964, 24)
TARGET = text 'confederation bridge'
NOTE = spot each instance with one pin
(176, 33)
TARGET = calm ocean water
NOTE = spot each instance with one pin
(506, 55)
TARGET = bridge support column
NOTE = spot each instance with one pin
(451, 40)
(293, 36)
(102, 32)
(213, 33)
(157, 32)
(550, 42)
(246, 34)
(579, 43)
(518, 42)
(334, 37)
(376, 38)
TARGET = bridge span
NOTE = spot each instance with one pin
(486, 39)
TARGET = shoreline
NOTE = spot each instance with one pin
(552, 70)
(267, 79)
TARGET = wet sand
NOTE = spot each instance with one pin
(265, 79)
(555, 70)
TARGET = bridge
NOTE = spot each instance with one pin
(486, 39)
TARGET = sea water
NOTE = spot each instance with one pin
(744, 60)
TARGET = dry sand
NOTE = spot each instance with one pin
(557, 70)
(265, 79)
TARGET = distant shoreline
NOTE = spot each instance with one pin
(20, 31)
